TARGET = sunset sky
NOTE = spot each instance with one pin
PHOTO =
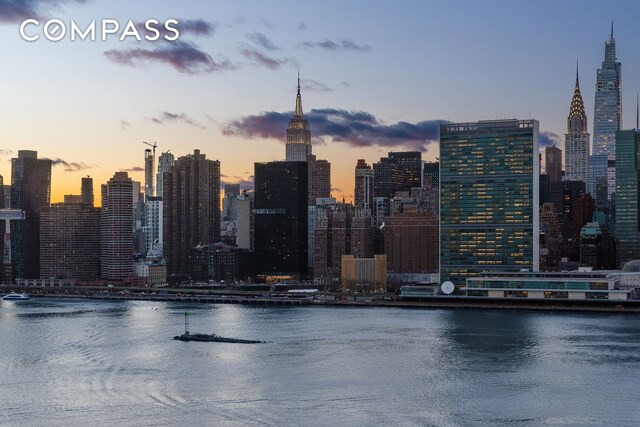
(376, 77)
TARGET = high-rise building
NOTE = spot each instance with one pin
(332, 240)
(553, 163)
(117, 226)
(386, 178)
(409, 166)
(627, 214)
(231, 193)
(319, 179)
(576, 141)
(245, 227)
(165, 161)
(149, 161)
(191, 209)
(607, 120)
(489, 218)
(30, 192)
(411, 242)
(363, 190)
(153, 226)
(86, 191)
(362, 233)
(431, 172)
(298, 134)
(70, 242)
(280, 219)
(608, 101)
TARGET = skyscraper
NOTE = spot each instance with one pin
(489, 178)
(149, 161)
(363, 190)
(627, 228)
(70, 241)
(30, 192)
(117, 225)
(607, 120)
(191, 209)
(153, 226)
(553, 163)
(280, 219)
(86, 191)
(608, 101)
(165, 161)
(409, 166)
(319, 179)
(229, 210)
(298, 134)
(576, 142)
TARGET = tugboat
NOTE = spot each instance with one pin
(208, 337)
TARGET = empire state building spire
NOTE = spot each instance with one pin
(298, 133)
(298, 112)
(576, 139)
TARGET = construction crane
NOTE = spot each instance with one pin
(154, 145)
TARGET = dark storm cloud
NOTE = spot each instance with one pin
(181, 55)
(355, 128)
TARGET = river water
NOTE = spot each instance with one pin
(83, 362)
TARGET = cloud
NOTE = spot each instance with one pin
(5, 152)
(354, 128)
(70, 166)
(133, 169)
(19, 10)
(547, 139)
(261, 59)
(339, 44)
(167, 117)
(195, 27)
(314, 86)
(301, 26)
(262, 41)
(124, 124)
(181, 55)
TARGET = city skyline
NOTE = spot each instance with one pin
(94, 109)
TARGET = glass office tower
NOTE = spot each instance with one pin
(627, 227)
(489, 197)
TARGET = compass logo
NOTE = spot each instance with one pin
(55, 30)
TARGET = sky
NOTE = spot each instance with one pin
(377, 76)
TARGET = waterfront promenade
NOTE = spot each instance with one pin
(262, 298)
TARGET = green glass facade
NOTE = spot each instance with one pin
(489, 197)
(627, 228)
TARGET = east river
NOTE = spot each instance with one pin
(82, 362)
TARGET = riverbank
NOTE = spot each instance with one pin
(332, 299)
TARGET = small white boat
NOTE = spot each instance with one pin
(16, 297)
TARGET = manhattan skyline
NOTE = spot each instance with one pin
(372, 82)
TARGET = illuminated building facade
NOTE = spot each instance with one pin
(489, 179)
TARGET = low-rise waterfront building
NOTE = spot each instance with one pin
(577, 285)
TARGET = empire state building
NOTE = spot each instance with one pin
(298, 134)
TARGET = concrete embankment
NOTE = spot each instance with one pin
(335, 300)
